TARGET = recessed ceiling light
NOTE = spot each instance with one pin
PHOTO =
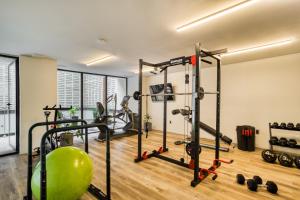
(99, 60)
(261, 47)
(217, 14)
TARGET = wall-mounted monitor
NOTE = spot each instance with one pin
(159, 89)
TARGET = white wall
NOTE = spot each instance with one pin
(253, 93)
(37, 89)
(133, 85)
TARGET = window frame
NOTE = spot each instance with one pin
(82, 85)
(17, 81)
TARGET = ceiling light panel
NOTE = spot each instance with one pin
(260, 47)
(99, 60)
(215, 15)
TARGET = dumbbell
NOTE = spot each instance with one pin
(298, 126)
(292, 143)
(273, 140)
(269, 156)
(285, 160)
(297, 161)
(270, 185)
(290, 125)
(283, 142)
(240, 179)
(283, 125)
(275, 125)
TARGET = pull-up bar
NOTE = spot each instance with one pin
(183, 60)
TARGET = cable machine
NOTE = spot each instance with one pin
(197, 94)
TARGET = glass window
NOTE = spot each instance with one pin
(8, 112)
(115, 87)
(68, 92)
(93, 92)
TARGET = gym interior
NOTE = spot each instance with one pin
(152, 100)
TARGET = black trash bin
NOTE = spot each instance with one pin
(246, 137)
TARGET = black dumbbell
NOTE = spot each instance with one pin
(240, 179)
(285, 160)
(273, 140)
(297, 161)
(292, 143)
(283, 142)
(275, 125)
(283, 125)
(270, 185)
(269, 156)
(290, 125)
(298, 126)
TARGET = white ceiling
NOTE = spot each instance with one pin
(68, 30)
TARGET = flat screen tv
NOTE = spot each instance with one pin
(159, 89)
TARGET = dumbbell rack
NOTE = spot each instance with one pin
(287, 129)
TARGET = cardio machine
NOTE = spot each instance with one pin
(121, 123)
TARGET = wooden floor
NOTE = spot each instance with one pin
(157, 179)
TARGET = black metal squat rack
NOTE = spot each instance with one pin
(43, 181)
(197, 94)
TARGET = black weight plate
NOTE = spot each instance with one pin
(189, 149)
(285, 160)
(136, 95)
(272, 187)
(297, 161)
(258, 180)
(298, 126)
(269, 156)
(240, 179)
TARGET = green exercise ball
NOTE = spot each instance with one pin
(69, 174)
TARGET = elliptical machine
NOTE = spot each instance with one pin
(122, 123)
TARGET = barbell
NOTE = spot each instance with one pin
(137, 95)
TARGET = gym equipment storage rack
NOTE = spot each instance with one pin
(197, 95)
(281, 128)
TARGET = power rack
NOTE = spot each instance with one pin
(197, 94)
